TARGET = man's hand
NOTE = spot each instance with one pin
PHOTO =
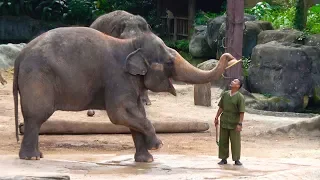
(239, 128)
(216, 121)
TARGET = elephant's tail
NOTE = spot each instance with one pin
(15, 96)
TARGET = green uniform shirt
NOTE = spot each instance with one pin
(231, 106)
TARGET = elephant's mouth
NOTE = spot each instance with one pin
(172, 90)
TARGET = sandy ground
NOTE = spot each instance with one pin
(165, 107)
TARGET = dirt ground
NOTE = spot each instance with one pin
(165, 107)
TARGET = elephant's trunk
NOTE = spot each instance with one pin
(186, 72)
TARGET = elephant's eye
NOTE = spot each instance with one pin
(169, 63)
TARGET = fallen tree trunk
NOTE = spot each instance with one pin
(87, 127)
(36, 178)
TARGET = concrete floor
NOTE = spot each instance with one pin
(88, 166)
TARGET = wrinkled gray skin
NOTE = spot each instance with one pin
(124, 25)
(79, 68)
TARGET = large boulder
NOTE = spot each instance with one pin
(313, 40)
(281, 35)
(8, 54)
(213, 27)
(17, 29)
(250, 36)
(283, 71)
(316, 72)
(198, 46)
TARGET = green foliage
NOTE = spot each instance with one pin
(183, 45)
(260, 10)
(10, 7)
(79, 12)
(313, 20)
(52, 10)
(284, 16)
(280, 17)
(101, 7)
(203, 17)
(267, 95)
(180, 45)
(245, 65)
(194, 61)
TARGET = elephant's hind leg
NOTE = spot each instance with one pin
(145, 98)
(37, 106)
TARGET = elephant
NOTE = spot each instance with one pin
(122, 24)
(80, 68)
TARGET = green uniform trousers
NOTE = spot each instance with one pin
(235, 139)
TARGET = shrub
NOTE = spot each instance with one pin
(203, 17)
(313, 20)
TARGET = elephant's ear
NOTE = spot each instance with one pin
(135, 63)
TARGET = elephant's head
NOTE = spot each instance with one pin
(158, 64)
(131, 27)
(121, 24)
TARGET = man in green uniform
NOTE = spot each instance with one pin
(232, 107)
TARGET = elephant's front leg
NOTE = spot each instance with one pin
(142, 154)
(131, 114)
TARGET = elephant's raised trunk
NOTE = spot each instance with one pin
(186, 72)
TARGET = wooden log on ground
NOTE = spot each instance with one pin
(35, 178)
(202, 94)
(89, 127)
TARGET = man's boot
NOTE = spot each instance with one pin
(222, 162)
(237, 162)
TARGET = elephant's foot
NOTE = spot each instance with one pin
(143, 157)
(154, 143)
(28, 155)
(41, 155)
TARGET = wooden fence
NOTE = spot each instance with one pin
(176, 28)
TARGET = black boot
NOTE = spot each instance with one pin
(238, 163)
(222, 162)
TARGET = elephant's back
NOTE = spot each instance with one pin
(67, 44)
(72, 54)
(70, 60)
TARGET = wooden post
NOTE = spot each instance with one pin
(234, 36)
(202, 94)
(191, 15)
(175, 26)
(158, 8)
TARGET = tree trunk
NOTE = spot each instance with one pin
(202, 94)
(191, 15)
(89, 127)
(300, 19)
(234, 36)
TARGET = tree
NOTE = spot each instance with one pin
(300, 18)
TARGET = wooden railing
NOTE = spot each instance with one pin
(178, 27)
